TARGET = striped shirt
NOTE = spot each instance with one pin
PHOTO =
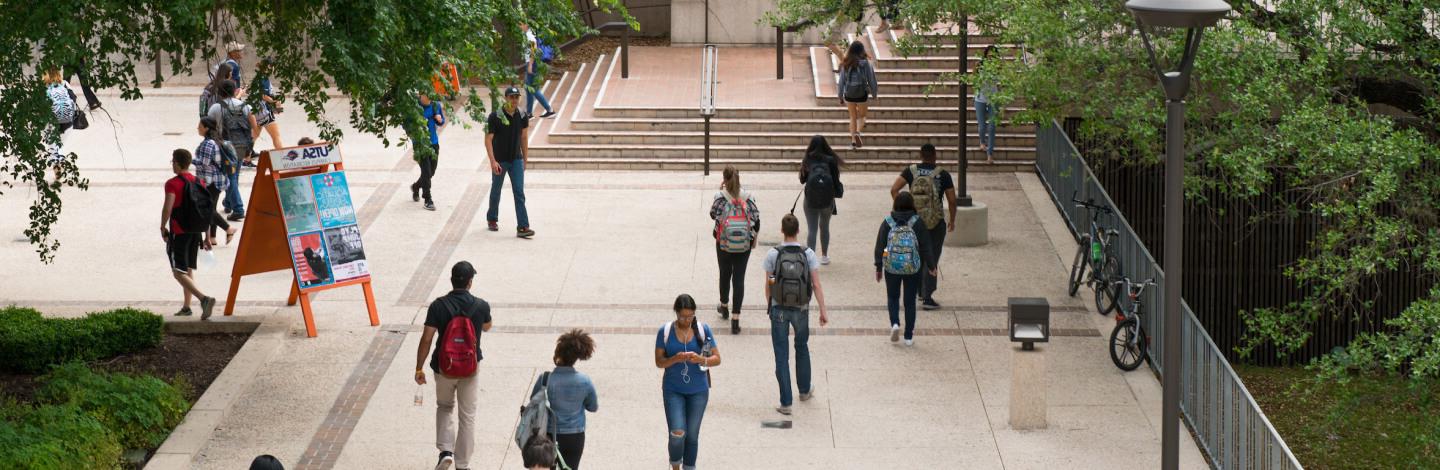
(207, 165)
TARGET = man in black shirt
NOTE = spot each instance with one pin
(934, 182)
(455, 448)
(507, 143)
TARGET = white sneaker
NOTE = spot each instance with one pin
(909, 342)
(894, 333)
(808, 395)
(784, 410)
(825, 260)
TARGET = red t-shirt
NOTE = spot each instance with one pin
(176, 186)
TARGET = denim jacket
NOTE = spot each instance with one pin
(571, 395)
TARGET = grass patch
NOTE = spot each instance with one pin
(1370, 422)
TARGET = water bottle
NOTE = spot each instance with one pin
(419, 395)
(207, 259)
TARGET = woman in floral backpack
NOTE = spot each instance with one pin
(737, 220)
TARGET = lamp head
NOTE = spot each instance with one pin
(1178, 13)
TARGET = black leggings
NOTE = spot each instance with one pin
(427, 171)
(571, 447)
(732, 273)
(216, 220)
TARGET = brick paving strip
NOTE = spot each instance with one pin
(427, 273)
(334, 432)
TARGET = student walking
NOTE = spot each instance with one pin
(507, 145)
(234, 51)
(931, 187)
(857, 86)
(737, 221)
(435, 120)
(792, 275)
(533, 80)
(213, 163)
(571, 395)
(461, 318)
(820, 173)
(237, 122)
(269, 103)
(183, 219)
(211, 93)
(889, 11)
(902, 251)
(62, 104)
(686, 349)
(985, 111)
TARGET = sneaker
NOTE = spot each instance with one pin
(524, 233)
(784, 410)
(894, 333)
(247, 164)
(547, 114)
(184, 312)
(930, 304)
(492, 226)
(207, 307)
(447, 459)
(414, 193)
(909, 342)
(808, 395)
(429, 205)
(735, 326)
(825, 260)
(724, 311)
(235, 217)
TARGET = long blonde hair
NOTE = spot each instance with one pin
(732, 181)
(53, 76)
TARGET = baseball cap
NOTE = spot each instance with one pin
(233, 46)
(512, 91)
(462, 271)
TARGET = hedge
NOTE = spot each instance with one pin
(54, 436)
(140, 410)
(30, 343)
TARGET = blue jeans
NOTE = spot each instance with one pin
(516, 169)
(683, 413)
(532, 93)
(909, 285)
(233, 201)
(781, 320)
(985, 117)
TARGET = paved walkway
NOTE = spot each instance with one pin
(612, 252)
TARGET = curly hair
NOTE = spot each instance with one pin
(572, 347)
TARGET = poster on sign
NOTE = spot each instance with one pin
(347, 253)
(332, 199)
(302, 157)
(312, 263)
(297, 202)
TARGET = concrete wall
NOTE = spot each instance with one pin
(730, 21)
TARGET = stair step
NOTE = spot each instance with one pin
(759, 164)
(794, 152)
(913, 101)
(831, 111)
(642, 138)
(943, 126)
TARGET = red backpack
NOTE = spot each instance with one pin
(457, 347)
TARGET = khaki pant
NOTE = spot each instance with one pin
(446, 439)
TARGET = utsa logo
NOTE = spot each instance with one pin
(308, 153)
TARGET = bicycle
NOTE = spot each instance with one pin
(1096, 252)
(1129, 344)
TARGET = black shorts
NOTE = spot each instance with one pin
(183, 249)
(860, 101)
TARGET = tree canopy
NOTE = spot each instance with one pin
(377, 53)
(1337, 100)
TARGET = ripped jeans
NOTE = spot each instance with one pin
(683, 412)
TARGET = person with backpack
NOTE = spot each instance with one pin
(792, 274)
(535, 51)
(211, 93)
(434, 120)
(737, 221)
(62, 104)
(460, 318)
(857, 86)
(234, 51)
(239, 128)
(985, 111)
(571, 393)
(213, 164)
(183, 219)
(820, 173)
(269, 108)
(902, 251)
(931, 187)
(686, 349)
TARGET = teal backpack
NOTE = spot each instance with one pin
(902, 248)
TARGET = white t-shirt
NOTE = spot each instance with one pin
(774, 254)
(530, 44)
(215, 110)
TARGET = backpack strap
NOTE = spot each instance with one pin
(912, 220)
(890, 221)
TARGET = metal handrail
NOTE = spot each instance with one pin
(709, 74)
(1228, 424)
(780, 45)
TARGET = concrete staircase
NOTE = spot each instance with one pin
(912, 110)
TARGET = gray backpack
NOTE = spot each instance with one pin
(235, 123)
(792, 278)
(535, 418)
(857, 83)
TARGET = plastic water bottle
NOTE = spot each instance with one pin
(419, 395)
(207, 259)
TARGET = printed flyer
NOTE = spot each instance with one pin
(312, 264)
(347, 253)
(332, 199)
(297, 202)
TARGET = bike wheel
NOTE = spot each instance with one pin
(1077, 268)
(1127, 350)
(1107, 294)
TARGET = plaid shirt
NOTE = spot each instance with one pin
(207, 165)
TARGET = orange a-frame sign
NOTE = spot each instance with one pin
(266, 244)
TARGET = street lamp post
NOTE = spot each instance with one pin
(1193, 16)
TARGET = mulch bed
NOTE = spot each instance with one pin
(191, 361)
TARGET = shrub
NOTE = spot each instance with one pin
(140, 410)
(54, 436)
(30, 343)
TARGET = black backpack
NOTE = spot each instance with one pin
(792, 278)
(196, 207)
(856, 87)
(235, 123)
(819, 185)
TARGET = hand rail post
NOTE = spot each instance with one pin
(709, 63)
(625, 53)
(779, 53)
